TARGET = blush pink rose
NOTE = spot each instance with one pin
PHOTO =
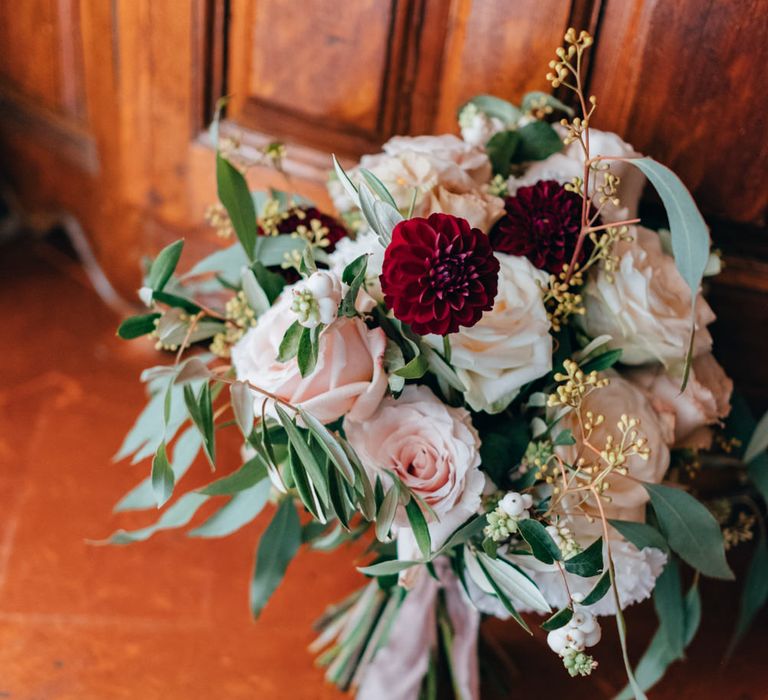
(349, 378)
(705, 401)
(434, 450)
(619, 398)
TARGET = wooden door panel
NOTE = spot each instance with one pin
(680, 80)
(298, 72)
(500, 48)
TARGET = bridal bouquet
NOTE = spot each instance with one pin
(486, 369)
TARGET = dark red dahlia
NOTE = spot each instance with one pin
(439, 273)
(542, 222)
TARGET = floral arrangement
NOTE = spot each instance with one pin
(487, 369)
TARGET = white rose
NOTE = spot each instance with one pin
(435, 451)
(510, 345)
(569, 163)
(646, 309)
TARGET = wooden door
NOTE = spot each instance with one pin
(104, 106)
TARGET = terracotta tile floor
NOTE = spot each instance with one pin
(168, 618)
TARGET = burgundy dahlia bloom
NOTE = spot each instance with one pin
(542, 222)
(439, 273)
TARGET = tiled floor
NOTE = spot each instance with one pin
(168, 618)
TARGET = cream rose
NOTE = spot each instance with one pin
(510, 345)
(619, 398)
(348, 379)
(447, 174)
(569, 163)
(482, 210)
(434, 450)
(705, 401)
(646, 309)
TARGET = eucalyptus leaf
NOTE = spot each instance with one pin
(298, 441)
(510, 579)
(690, 235)
(241, 510)
(184, 452)
(640, 534)
(289, 345)
(177, 515)
(248, 475)
(346, 182)
(691, 530)
(387, 568)
(386, 514)
(501, 149)
(137, 326)
(544, 548)
(277, 547)
(602, 362)
(754, 594)
(164, 265)
(587, 563)
(599, 590)
(236, 198)
(668, 601)
(558, 620)
(255, 296)
(378, 187)
(162, 476)
(538, 140)
(330, 444)
(419, 526)
(496, 107)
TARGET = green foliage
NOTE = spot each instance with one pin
(501, 149)
(176, 301)
(277, 547)
(177, 515)
(544, 548)
(496, 107)
(136, 326)
(381, 216)
(419, 526)
(307, 352)
(587, 563)
(234, 195)
(387, 568)
(164, 265)
(558, 620)
(754, 594)
(538, 140)
(289, 345)
(599, 590)
(602, 362)
(502, 446)
(640, 534)
(658, 656)
(200, 409)
(354, 276)
(162, 476)
(378, 187)
(386, 514)
(142, 496)
(690, 529)
(271, 282)
(668, 601)
(243, 507)
(248, 475)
